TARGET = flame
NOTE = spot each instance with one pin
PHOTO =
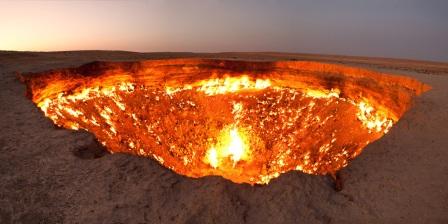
(236, 145)
(212, 157)
(315, 93)
(224, 85)
(246, 128)
(231, 145)
(373, 119)
(231, 85)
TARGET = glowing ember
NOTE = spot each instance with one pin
(246, 121)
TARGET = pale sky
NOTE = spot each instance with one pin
(416, 29)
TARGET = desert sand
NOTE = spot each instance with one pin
(54, 175)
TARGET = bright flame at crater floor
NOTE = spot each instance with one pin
(245, 121)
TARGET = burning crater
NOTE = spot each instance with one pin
(245, 121)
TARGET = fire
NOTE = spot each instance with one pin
(231, 85)
(230, 145)
(223, 85)
(212, 157)
(236, 146)
(245, 121)
(376, 121)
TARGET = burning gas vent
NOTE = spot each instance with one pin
(245, 121)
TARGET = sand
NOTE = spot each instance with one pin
(47, 176)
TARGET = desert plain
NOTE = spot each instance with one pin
(54, 175)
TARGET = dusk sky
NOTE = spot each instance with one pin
(416, 29)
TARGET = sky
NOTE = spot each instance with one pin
(415, 29)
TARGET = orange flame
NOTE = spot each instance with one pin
(246, 128)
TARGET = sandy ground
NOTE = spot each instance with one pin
(47, 176)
